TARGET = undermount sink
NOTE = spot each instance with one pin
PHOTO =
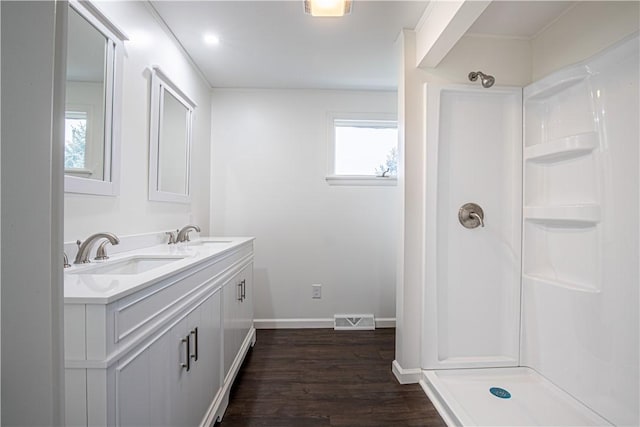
(132, 265)
(209, 242)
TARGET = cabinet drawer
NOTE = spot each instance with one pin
(143, 310)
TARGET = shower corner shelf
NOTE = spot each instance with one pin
(543, 91)
(540, 279)
(566, 148)
(587, 215)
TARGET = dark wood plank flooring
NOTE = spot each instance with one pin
(322, 377)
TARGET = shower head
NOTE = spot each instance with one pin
(486, 79)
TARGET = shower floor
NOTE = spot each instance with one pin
(462, 397)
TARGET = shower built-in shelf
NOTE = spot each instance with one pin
(561, 216)
(566, 148)
(534, 279)
(541, 93)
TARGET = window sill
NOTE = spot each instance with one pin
(360, 180)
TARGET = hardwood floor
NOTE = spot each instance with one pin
(322, 377)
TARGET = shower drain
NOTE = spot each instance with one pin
(500, 392)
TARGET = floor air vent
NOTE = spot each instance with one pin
(354, 322)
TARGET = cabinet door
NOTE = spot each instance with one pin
(206, 370)
(231, 309)
(153, 386)
(150, 382)
(246, 307)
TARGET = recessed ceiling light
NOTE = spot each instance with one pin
(327, 7)
(211, 39)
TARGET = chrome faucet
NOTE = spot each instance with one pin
(183, 235)
(84, 248)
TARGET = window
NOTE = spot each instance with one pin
(75, 143)
(363, 150)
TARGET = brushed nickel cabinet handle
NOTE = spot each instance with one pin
(187, 347)
(195, 343)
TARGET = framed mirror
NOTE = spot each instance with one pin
(92, 113)
(170, 141)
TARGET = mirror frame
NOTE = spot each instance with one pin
(160, 84)
(110, 185)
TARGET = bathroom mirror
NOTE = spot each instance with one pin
(94, 52)
(170, 140)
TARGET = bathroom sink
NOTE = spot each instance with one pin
(132, 265)
(209, 242)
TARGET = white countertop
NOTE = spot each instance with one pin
(82, 287)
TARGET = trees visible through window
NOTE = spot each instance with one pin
(75, 140)
(365, 148)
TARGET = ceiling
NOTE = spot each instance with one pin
(273, 44)
(523, 19)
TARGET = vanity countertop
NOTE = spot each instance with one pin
(82, 286)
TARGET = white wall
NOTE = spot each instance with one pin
(581, 32)
(32, 134)
(131, 212)
(269, 164)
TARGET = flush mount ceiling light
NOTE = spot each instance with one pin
(327, 7)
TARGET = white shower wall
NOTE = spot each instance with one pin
(472, 292)
(580, 241)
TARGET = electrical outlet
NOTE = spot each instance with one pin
(316, 291)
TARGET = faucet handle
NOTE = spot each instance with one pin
(471, 215)
(101, 253)
(65, 260)
(172, 237)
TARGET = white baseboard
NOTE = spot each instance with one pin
(405, 376)
(384, 322)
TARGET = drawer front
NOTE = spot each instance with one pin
(138, 313)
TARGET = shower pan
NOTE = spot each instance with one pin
(533, 319)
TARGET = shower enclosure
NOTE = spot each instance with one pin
(474, 149)
(544, 297)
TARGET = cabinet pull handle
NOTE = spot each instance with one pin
(239, 293)
(244, 289)
(195, 343)
(187, 347)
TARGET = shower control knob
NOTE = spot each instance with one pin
(471, 215)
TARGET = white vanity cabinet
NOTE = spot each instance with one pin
(157, 356)
(172, 379)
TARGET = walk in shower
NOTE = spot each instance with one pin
(531, 317)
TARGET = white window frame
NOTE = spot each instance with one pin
(363, 118)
